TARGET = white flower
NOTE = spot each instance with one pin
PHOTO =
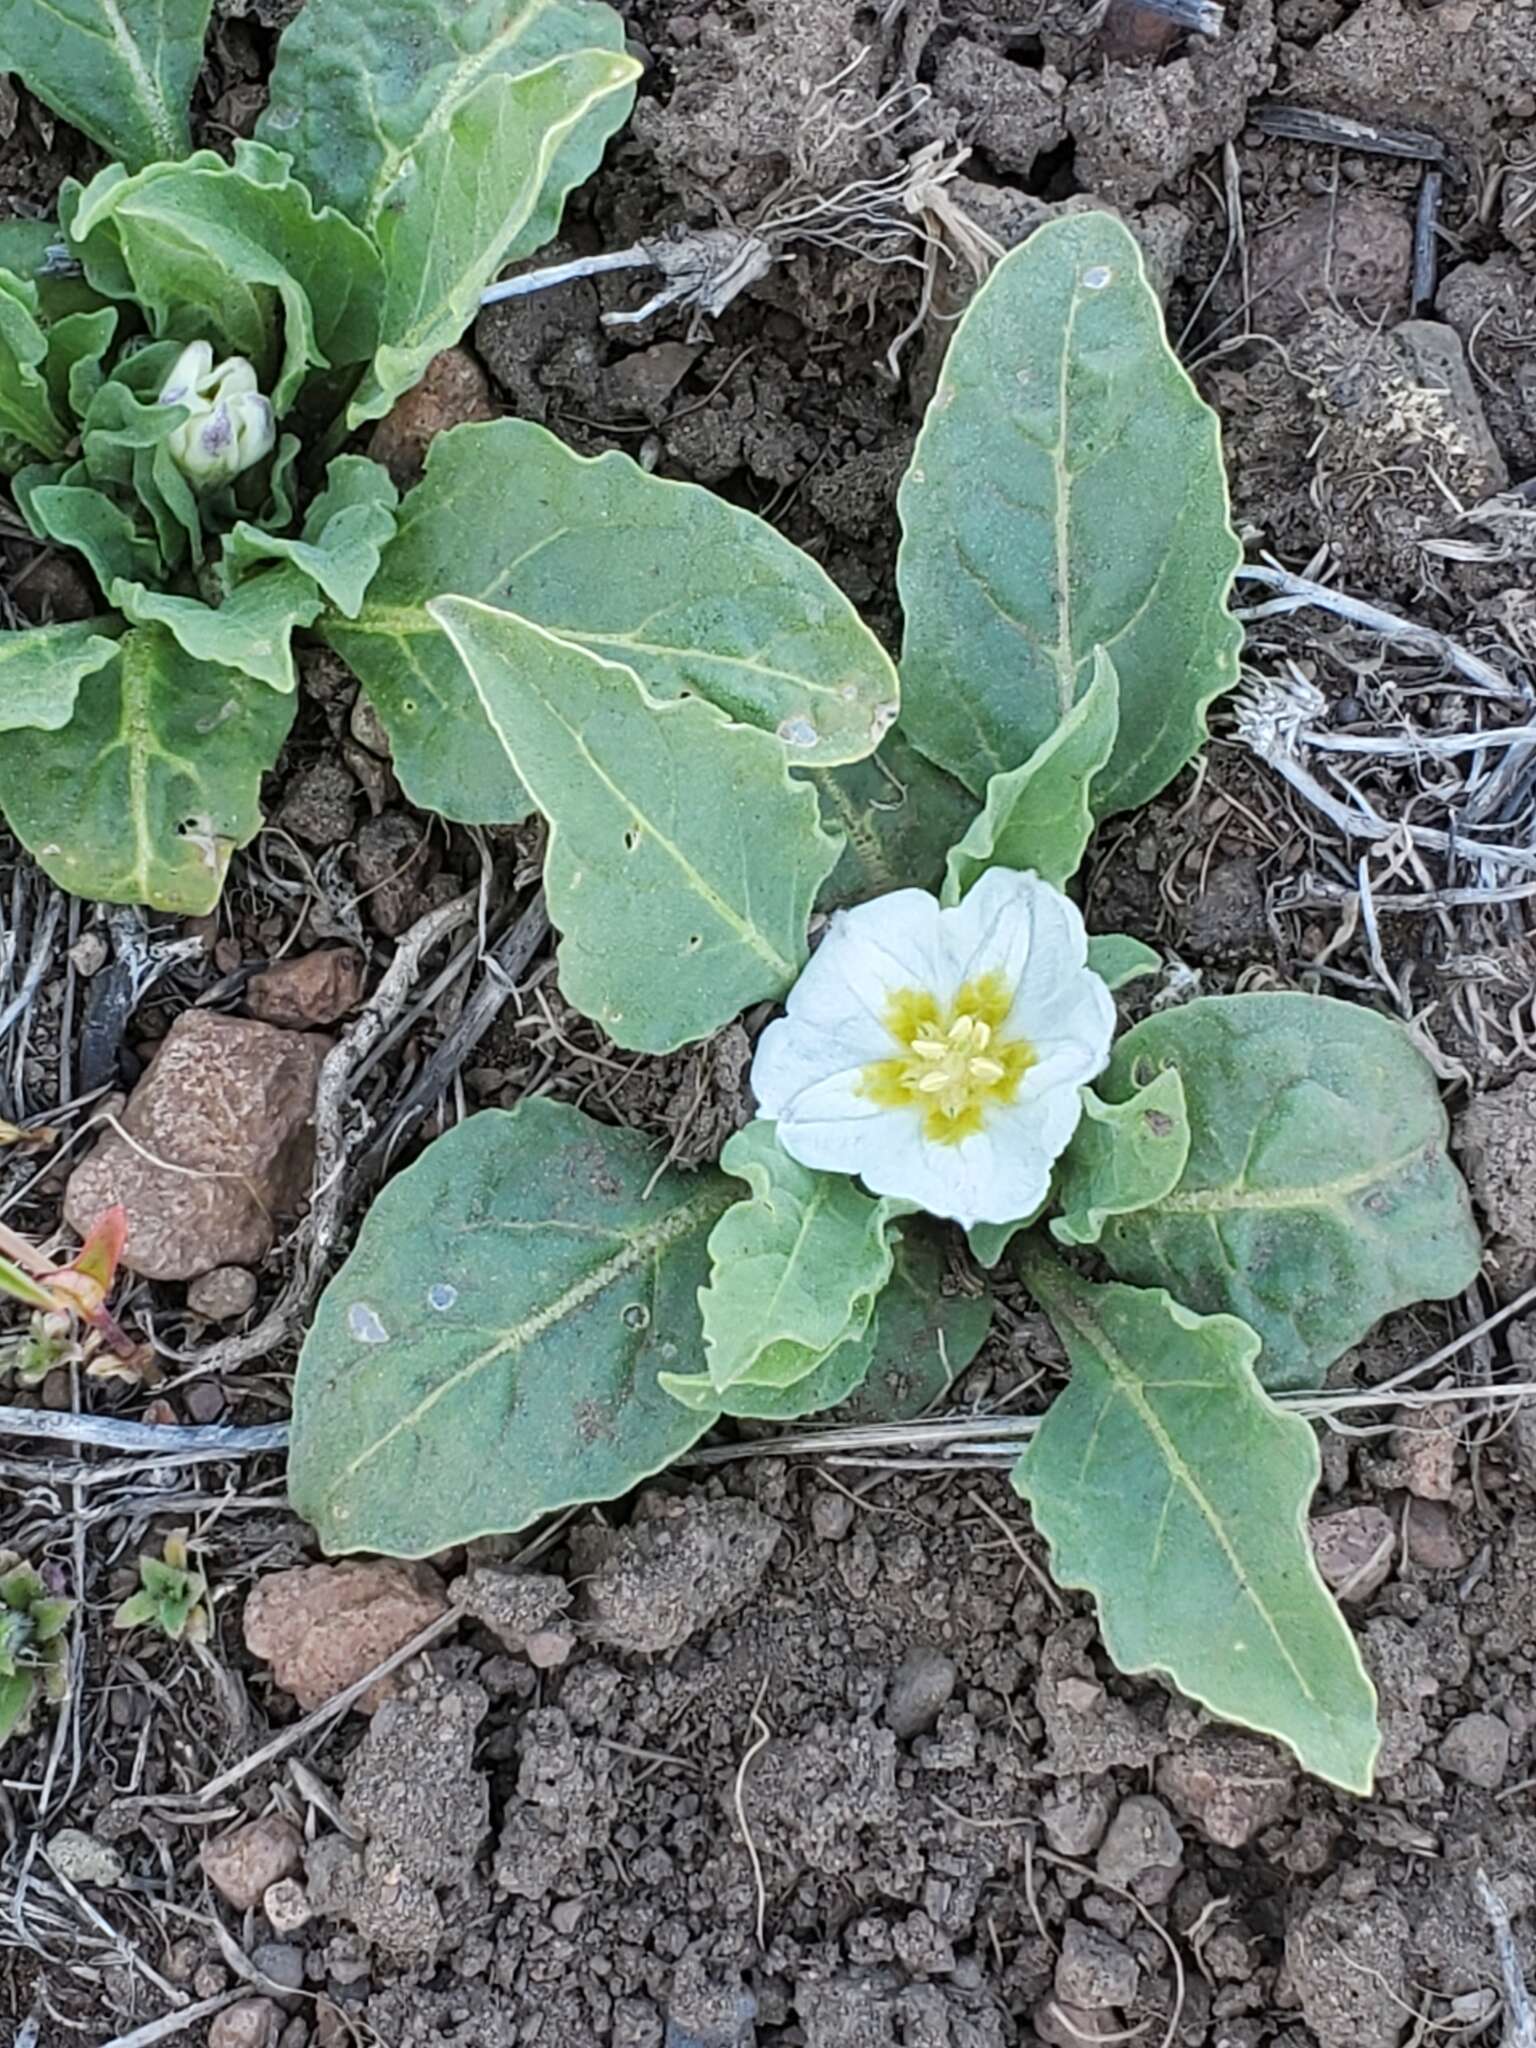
(939, 1054)
(231, 424)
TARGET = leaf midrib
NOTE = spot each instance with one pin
(1328, 1194)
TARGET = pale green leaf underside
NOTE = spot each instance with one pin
(899, 816)
(1040, 816)
(1318, 1195)
(42, 668)
(252, 630)
(690, 592)
(797, 1263)
(121, 71)
(473, 185)
(1066, 493)
(1169, 1486)
(1123, 1155)
(682, 861)
(489, 1352)
(1116, 959)
(153, 784)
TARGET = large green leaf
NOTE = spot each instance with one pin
(153, 784)
(1171, 1487)
(252, 630)
(899, 814)
(682, 860)
(1066, 493)
(27, 413)
(121, 71)
(830, 1379)
(79, 516)
(795, 1266)
(1318, 1194)
(42, 668)
(1040, 816)
(489, 1352)
(236, 254)
(690, 592)
(475, 182)
(1123, 1155)
(359, 94)
(346, 531)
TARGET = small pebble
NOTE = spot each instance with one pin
(565, 1915)
(82, 1859)
(923, 1683)
(831, 1516)
(286, 1906)
(1476, 1748)
(244, 1863)
(548, 1648)
(1094, 1970)
(1141, 1850)
(223, 1294)
(248, 2023)
(282, 1962)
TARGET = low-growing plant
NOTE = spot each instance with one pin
(62, 1299)
(34, 1655)
(170, 1595)
(1211, 1208)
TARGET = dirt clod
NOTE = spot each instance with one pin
(1014, 114)
(314, 989)
(674, 1573)
(1355, 250)
(1231, 1786)
(1496, 1138)
(1347, 1962)
(83, 1859)
(1094, 1970)
(248, 2023)
(1141, 1850)
(564, 1801)
(923, 1683)
(321, 805)
(223, 1294)
(1354, 1551)
(324, 1626)
(244, 1863)
(513, 1605)
(1477, 1748)
(226, 1105)
(1074, 1818)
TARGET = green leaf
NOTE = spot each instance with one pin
(19, 1285)
(829, 1380)
(682, 861)
(899, 814)
(1066, 493)
(1040, 816)
(26, 409)
(358, 95)
(924, 1338)
(489, 1351)
(346, 531)
(236, 254)
(16, 1696)
(76, 346)
(474, 183)
(1116, 959)
(251, 631)
(988, 1241)
(146, 793)
(136, 1611)
(1123, 1155)
(693, 594)
(42, 668)
(1169, 1486)
(1318, 1195)
(121, 71)
(79, 516)
(795, 1267)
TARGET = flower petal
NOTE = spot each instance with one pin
(1016, 926)
(1071, 1029)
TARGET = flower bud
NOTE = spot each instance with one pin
(230, 424)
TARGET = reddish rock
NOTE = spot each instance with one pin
(454, 389)
(324, 1626)
(1354, 1551)
(311, 989)
(222, 1147)
(248, 2023)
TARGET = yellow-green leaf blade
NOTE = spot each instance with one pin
(1066, 493)
(42, 668)
(1123, 1156)
(682, 860)
(1318, 1194)
(1170, 1486)
(489, 1352)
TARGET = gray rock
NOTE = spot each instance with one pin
(1141, 1851)
(922, 1686)
(1094, 1970)
(1476, 1748)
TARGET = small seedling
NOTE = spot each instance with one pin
(62, 1298)
(33, 1653)
(170, 1595)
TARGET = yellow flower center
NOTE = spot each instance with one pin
(953, 1066)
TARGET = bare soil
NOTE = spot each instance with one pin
(822, 1760)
